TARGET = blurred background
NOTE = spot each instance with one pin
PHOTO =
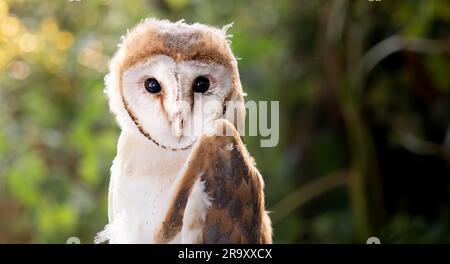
(364, 113)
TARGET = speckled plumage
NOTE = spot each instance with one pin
(236, 213)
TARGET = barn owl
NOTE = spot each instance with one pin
(176, 178)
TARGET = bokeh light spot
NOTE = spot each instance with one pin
(28, 42)
(10, 26)
(18, 70)
(64, 40)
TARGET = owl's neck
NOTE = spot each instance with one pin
(142, 157)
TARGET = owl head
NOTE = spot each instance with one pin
(169, 81)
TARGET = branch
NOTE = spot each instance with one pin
(307, 193)
(397, 43)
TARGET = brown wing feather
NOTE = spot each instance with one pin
(237, 213)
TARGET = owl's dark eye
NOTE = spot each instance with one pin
(201, 84)
(152, 85)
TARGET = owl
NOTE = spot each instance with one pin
(182, 173)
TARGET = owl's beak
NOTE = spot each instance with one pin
(177, 126)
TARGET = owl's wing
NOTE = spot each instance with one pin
(236, 213)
